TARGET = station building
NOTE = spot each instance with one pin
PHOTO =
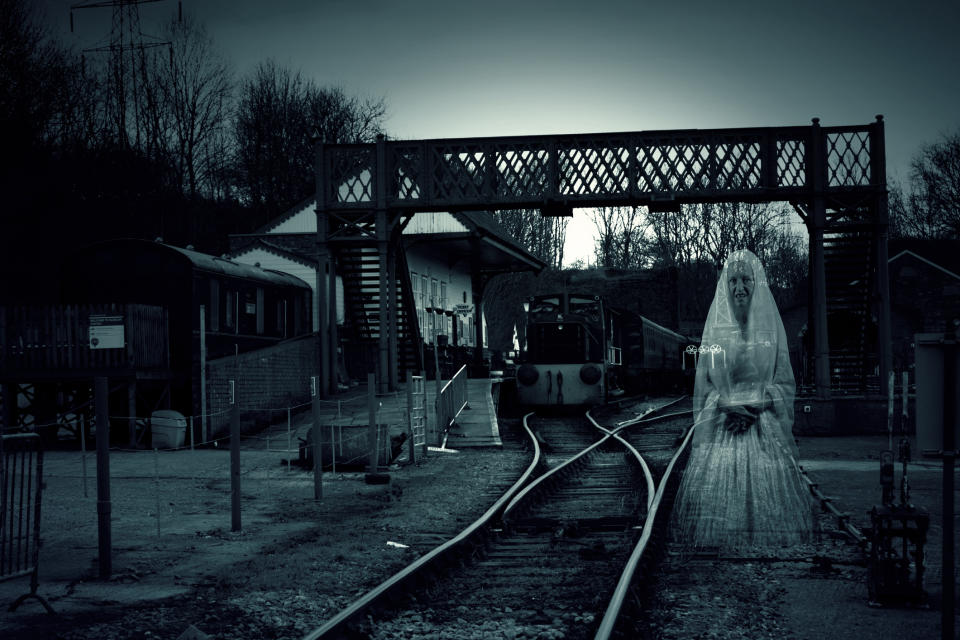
(448, 258)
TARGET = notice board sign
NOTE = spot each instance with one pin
(463, 309)
(106, 332)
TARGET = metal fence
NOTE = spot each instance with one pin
(451, 401)
(21, 487)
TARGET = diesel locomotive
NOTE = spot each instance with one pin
(582, 351)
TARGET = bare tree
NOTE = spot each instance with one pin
(196, 89)
(621, 243)
(278, 114)
(676, 237)
(734, 225)
(929, 206)
(698, 239)
(32, 78)
(541, 235)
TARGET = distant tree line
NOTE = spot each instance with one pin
(928, 204)
(160, 141)
(696, 241)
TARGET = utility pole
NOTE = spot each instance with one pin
(126, 37)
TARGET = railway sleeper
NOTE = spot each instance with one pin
(572, 528)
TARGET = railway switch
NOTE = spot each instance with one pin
(897, 536)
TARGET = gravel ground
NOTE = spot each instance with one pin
(298, 561)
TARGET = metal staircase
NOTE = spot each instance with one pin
(359, 266)
(848, 260)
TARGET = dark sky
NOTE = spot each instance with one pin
(449, 68)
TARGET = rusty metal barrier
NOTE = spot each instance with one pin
(21, 486)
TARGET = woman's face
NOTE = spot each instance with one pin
(740, 284)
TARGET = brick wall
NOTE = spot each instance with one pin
(267, 382)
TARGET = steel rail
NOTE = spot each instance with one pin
(565, 466)
(392, 586)
(826, 504)
(648, 476)
(609, 620)
(645, 418)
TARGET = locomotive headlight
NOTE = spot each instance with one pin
(590, 374)
(527, 375)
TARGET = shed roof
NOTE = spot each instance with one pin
(499, 251)
(944, 254)
(199, 261)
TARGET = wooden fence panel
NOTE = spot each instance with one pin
(56, 337)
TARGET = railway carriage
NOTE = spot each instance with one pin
(582, 351)
(246, 308)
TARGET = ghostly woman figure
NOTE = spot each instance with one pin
(741, 488)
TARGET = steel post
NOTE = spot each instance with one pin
(372, 418)
(104, 545)
(235, 524)
(317, 451)
(947, 607)
(323, 272)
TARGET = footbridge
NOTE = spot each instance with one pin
(835, 177)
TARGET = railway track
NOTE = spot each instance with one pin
(547, 555)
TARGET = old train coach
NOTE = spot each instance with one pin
(245, 307)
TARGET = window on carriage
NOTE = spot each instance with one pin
(260, 319)
(443, 295)
(434, 298)
(587, 307)
(230, 310)
(545, 305)
(213, 309)
(423, 292)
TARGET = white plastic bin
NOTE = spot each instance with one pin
(167, 429)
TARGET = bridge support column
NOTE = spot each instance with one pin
(818, 280)
(333, 344)
(477, 284)
(383, 323)
(393, 317)
(878, 165)
(323, 305)
(323, 271)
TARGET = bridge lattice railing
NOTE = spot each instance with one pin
(780, 163)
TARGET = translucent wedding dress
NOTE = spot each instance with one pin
(741, 488)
